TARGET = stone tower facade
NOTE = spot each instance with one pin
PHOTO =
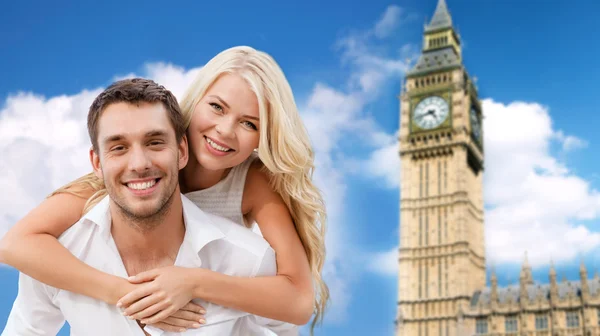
(442, 254)
(442, 276)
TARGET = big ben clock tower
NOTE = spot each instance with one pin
(442, 253)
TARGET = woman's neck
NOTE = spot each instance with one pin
(195, 177)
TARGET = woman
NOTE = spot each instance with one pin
(239, 108)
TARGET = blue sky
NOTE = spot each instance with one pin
(536, 64)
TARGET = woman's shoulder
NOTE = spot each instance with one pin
(258, 175)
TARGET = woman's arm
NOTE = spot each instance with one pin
(31, 246)
(288, 296)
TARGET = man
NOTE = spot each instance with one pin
(139, 146)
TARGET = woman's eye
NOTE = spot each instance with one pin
(216, 106)
(250, 125)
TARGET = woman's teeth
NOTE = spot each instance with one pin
(217, 147)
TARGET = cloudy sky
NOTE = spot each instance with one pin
(537, 75)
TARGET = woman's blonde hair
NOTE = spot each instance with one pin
(284, 149)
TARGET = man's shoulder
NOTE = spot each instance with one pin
(239, 236)
(86, 228)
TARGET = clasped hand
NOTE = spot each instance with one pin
(162, 299)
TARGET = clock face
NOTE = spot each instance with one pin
(430, 112)
(475, 124)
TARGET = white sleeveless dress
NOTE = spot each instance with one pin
(225, 198)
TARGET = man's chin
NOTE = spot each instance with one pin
(139, 207)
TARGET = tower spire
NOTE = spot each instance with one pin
(441, 44)
(441, 18)
(494, 289)
(526, 275)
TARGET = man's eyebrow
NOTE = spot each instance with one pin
(221, 100)
(156, 133)
(112, 138)
(149, 134)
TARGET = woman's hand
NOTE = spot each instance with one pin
(160, 296)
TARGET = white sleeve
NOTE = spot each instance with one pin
(268, 264)
(33, 312)
(268, 267)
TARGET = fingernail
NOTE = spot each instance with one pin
(196, 325)
(131, 278)
(182, 330)
(202, 321)
(202, 311)
(119, 304)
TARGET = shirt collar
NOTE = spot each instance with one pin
(199, 227)
(100, 214)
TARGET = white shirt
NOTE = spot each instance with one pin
(210, 242)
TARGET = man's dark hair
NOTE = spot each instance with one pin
(135, 91)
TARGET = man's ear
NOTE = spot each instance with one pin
(96, 165)
(183, 152)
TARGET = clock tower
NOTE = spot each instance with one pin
(442, 252)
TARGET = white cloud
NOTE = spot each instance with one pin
(570, 142)
(384, 163)
(388, 21)
(175, 78)
(371, 65)
(529, 192)
(43, 144)
(384, 263)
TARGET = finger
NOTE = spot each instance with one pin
(188, 315)
(167, 327)
(144, 276)
(145, 307)
(182, 323)
(135, 295)
(196, 308)
(165, 309)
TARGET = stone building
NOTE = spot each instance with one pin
(442, 265)
(552, 309)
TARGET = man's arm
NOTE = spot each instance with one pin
(33, 312)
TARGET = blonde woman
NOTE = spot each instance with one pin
(250, 161)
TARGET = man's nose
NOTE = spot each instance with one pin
(139, 160)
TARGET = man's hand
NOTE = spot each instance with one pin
(185, 318)
(162, 299)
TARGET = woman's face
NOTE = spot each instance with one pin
(225, 126)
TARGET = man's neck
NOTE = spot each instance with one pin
(143, 249)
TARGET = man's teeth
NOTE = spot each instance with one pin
(142, 185)
(217, 147)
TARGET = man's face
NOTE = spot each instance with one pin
(138, 158)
